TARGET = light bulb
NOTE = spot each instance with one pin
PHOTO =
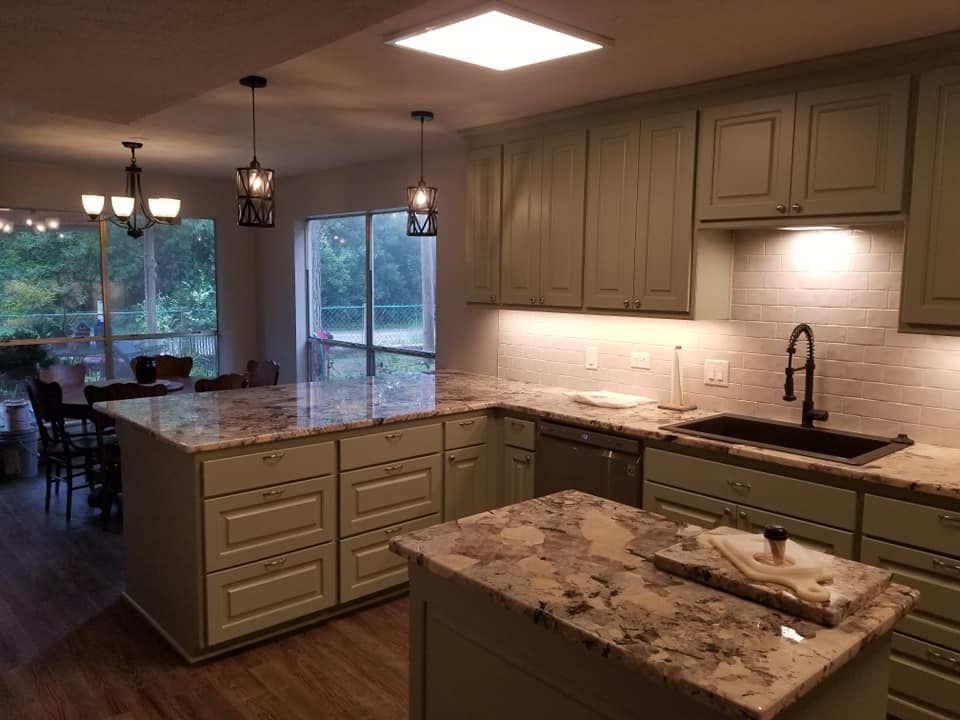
(41, 227)
(30, 222)
(53, 223)
(8, 228)
(92, 205)
(421, 199)
(122, 206)
(256, 183)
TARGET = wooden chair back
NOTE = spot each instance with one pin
(65, 374)
(46, 399)
(230, 381)
(263, 372)
(168, 366)
(102, 422)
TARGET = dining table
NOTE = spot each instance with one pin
(76, 407)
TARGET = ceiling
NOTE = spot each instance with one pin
(81, 77)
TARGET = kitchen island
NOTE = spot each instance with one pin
(553, 608)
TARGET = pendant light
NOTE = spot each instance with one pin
(254, 184)
(421, 199)
(130, 208)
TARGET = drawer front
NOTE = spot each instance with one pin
(779, 493)
(816, 537)
(936, 616)
(397, 444)
(367, 565)
(688, 507)
(520, 433)
(270, 467)
(248, 526)
(924, 681)
(385, 495)
(519, 468)
(465, 432)
(912, 524)
(266, 593)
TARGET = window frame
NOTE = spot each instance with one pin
(108, 338)
(371, 349)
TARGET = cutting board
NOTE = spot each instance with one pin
(852, 585)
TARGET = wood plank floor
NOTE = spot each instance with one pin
(70, 647)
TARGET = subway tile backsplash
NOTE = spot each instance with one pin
(870, 377)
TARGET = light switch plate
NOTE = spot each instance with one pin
(716, 372)
(640, 360)
(592, 359)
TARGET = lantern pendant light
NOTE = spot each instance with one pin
(421, 199)
(255, 184)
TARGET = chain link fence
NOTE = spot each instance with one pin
(399, 326)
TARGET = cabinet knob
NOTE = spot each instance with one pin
(743, 515)
(781, 208)
(533, 301)
(452, 458)
(637, 303)
(626, 303)
(493, 298)
(796, 207)
(541, 301)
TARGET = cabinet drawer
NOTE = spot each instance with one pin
(270, 467)
(398, 444)
(936, 616)
(924, 681)
(465, 432)
(520, 433)
(687, 507)
(912, 524)
(367, 565)
(248, 526)
(798, 498)
(389, 494)
(816, 537)
(266, 593)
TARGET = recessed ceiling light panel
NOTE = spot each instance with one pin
(498, 40)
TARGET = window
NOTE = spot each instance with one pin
(372, 297)
(160, 295)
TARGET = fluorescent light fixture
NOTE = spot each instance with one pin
(497, 39)
(811, 228)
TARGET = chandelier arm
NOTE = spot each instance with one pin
(144, 205)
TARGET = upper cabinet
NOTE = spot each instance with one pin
(931, 293)
(836, 151)
(484, 178)
(520, 276)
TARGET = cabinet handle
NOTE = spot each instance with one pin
(393, 468)
(541, 301)
(626, 303)
(533, 301)
(493, 298)
(393, 530)
(946, 566)
(737, 485)
(525, 460)
(270, 457)
(637, 303)
(467, 423)
(272, 493)
(516, 424)
(275, 563)
(796, 207)
(781, 208)
(950, 519)
(393, 436)
(942, 657)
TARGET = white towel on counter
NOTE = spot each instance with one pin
(607, 399)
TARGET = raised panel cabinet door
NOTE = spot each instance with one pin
(561, 219)
(744, 157)
(665, 213)
(816, 537)
(522, 174)
(468, 487)
(931, 293)
(611, 225)
(518, 471)
(850, 148)
(484, 178)
(688, 507)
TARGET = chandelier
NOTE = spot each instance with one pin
(130, 211)
(421, 198)
(254, 183)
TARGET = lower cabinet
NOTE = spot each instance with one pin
(924, 681)
(518, 472)
(367, 565)
(467, 486)
(269, 592)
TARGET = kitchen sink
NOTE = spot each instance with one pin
(843, 447)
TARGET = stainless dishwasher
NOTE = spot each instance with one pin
(571, 458)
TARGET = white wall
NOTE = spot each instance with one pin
(54, 187)
(466, 335)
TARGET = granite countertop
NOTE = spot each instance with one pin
(236, 418)
(581, 567)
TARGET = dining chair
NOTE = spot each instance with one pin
(104, 472)
(263, 372)
(230, 381)
(60, 451)
(168, 366)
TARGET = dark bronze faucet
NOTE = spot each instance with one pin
(809, 413)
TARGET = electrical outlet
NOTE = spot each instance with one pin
(592, 359)
(640, 360)
(716, 372)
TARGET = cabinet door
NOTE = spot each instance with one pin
(561, 220)
(610, 235)
(931, 293)
(520, 275)
(816, 537)
(850, 147)
(745, 150)
(468, 486)
(688, 507)
(518, 470)
(484, 171)
(665, 213)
